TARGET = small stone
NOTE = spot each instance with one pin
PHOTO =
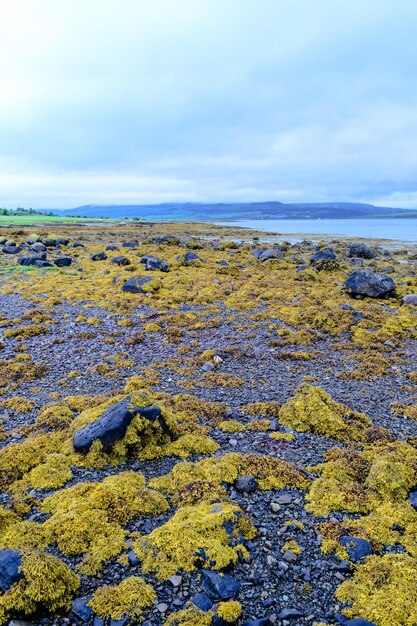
(202, 601)
(218, 586)
(288, 613)
(80, 609)
(133, 559)
(162, 607)
(175, 581)
(275, 507)
(263, 621)
(412, 497)
(284, 499)
(208, 367)
(290, 556)
(246, 484)
(356, 547)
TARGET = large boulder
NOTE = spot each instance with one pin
(31, 260)
(11, 249)
(120, 260)
(111, 426)
(10, 562)
(324, 259)
(99, 256)
(367, 283)
(361, 251)
(265, 255)
(135, 284)
(154, 263)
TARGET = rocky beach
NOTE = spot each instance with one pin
(201, 427)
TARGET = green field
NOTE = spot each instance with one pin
(32, 219)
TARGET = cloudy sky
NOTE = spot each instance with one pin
(132, 101)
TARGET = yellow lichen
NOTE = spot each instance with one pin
(128, 598)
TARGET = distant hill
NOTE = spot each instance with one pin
(238, 211)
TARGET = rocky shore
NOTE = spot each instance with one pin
(197, 429)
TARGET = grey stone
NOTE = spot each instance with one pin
(361, 251)
(99, 256)
(366, 283)
(356, 547)
(410, 299)
(135, 284)
(288, 613)
(246, 483)
(202, 601)
(217, 586)
(80, 609)
(10, 562)
(63, 261)
(265, 255)
(120, 260)
(154, 263)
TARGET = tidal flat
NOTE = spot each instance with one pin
(199, 426)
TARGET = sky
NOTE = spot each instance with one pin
(147, 101)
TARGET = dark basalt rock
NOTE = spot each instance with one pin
(135, 284)
(120, 260)
(99, 256)
(38, 247)
(324, 259)
(111, 426)
(356, 547)
(412, 497)
(357, 621)
(361, 251)
(245, 483)
(202, 601)
(154, 263)
(217, 586)
(262, 621)
(129, 244)
(31, 260)
(10, 562)
(111, 246)
(80, 609)
(265, 255)
(63, 261)
(11, 249)
(289, 614)
(366, 283)
(120, 622)
(41, 263)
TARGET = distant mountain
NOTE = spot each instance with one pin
(237, 211)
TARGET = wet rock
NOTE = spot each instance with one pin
(361, 251)
(120, 260)
(410, 299)
(288, 613)
(111, 426)
(366, 283)
(154, 263)
(356, 547)
(202, 601)
(135, 284)
(246, 484)
(217, 586)
(265, 255)
(99, 256)
(80, 609)
(10, 562)
(63, 261)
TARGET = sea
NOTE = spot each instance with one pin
(403, 230)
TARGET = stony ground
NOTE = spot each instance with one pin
(267, 326)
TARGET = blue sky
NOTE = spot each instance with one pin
(137, 101)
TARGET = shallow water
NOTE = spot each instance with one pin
(402, 229)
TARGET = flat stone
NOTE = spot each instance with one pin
(288, 613)
(202, 601)
(162, 607)
(80, 609)
(410, 299)
(217, 586)
(98, 621)
(284, 499)
(175, 581)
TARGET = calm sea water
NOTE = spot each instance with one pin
(402, 229)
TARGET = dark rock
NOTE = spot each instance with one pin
(30, 260)
(154, 263)
(120, 622)
(324, 259)
(80, 609)
(217, 586)
(99, 256)
(356, 547)
(111, 246)
(38, 247)
(63, 261)
(202, 601)
(412, 496)
(135, 284)
(289, 614)
(265, 255)
(410, 299)
(190, 257)
(78, 244)
(345, 567)
(361, 251)
(10, 562)
(389, 270)
(130, 244)
(120, 260)
(262, 621)
(98, 621)
(357, 621)
(111, 426)
(246, 483)
(223, 263)
(41, 263)
(366, 283)
(133, 559)
(11, 249)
